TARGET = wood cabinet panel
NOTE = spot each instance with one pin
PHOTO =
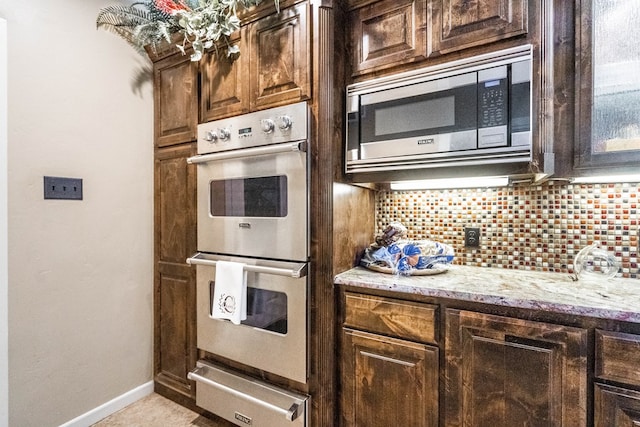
(616, 407)
(175, 100)
(388, 382)
(387, 33)
(175, 338)
(618, 357)
(280, 69)
(502, 372)
(459, 24)
(175, 204)
(225, 88)
(408, 320)
(174, 282)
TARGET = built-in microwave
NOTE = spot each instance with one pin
(473, 111)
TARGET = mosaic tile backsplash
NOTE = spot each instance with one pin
(538, 228)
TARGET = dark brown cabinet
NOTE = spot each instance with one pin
(616, 407)
(175, 100)
(386, 33)
(175, 108)
(460, 24)
(224, 90)
(174, 288)
(388, 380)
(503, 372)
(280, 65)
(617, 360)
(273, 68)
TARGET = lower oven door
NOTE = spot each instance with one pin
(273, 338)
(246, 401)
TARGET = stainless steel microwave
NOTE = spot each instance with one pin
(474, 111)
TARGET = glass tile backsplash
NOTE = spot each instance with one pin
(523, 227)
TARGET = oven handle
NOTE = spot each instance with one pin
(249, 152)
(197, 375)
(301, 271)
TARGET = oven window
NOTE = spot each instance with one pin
(265, 309)
(249, 197)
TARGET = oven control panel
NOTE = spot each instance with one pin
(288, 123)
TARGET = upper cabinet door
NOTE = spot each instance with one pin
(225, 88)
(175, 100)
(608, 107)
(459, 24)
(386, 33)
(280, 66)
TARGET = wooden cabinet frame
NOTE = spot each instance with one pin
(503, 371)
(175, 96)
(585, 162)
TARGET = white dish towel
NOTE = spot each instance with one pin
(230, 293)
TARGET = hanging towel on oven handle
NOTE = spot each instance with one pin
(230, 292)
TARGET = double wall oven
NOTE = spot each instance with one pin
(253, 210)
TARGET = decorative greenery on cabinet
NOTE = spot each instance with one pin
(202, 23)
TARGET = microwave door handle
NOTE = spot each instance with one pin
(296, 273)
(249, 152)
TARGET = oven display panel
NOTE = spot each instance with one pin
(264, 197)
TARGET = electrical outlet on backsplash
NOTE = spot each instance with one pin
(539, 227)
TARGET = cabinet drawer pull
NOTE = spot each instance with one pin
(386, 359)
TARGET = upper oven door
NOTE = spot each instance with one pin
(253, 202)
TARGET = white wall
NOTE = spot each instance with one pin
(4, 276)
(80, 272)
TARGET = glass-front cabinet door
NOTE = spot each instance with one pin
(608, 87)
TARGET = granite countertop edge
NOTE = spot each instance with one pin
(616, 299)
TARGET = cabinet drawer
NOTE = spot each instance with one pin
(387, 316)
(618, 357)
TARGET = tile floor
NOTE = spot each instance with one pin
(155, 411)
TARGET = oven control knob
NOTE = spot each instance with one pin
(224, 134)
(267, 125)
(284, 122)
(211, 136)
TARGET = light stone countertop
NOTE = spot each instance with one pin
(617, 299)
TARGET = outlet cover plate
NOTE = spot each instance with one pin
(62, 188)
(472, 237)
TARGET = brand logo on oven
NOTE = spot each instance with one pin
(426, 141)
(238, 416)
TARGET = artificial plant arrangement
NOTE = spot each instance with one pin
(201, 22)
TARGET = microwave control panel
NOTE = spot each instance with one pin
(493, 100)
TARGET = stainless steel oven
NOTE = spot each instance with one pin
(252, 198)
(252, 184)
(273, 336)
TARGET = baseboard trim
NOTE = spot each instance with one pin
(112, 406)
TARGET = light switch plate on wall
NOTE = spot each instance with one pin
(62, 188)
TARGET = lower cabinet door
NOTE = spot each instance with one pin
(174, 283)
(505, 372)
(388, 382)
(616, 407)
